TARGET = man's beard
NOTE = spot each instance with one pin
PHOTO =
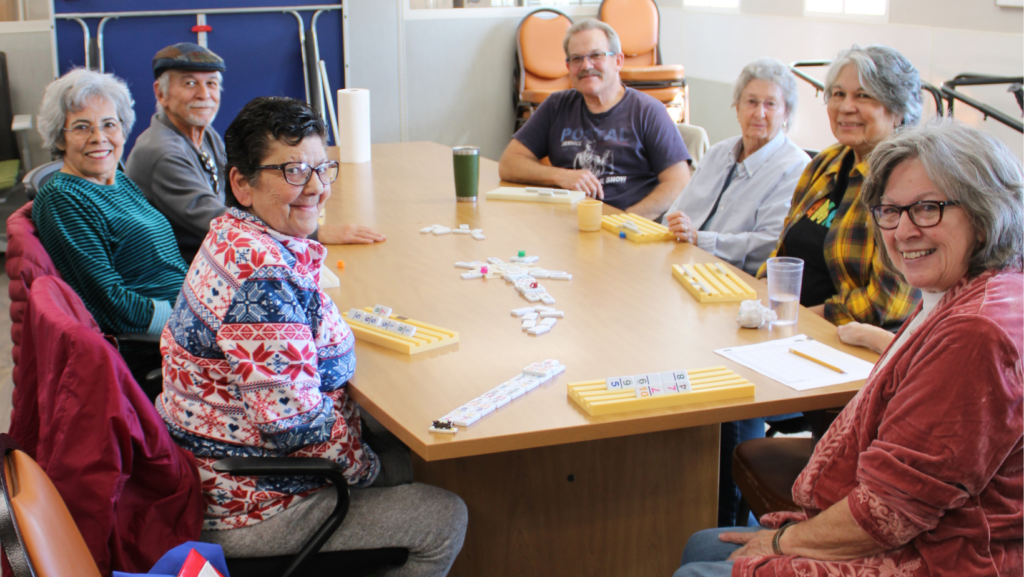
(198, 120)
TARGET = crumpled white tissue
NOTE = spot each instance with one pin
(753, 314)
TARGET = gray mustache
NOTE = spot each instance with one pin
(590, 72)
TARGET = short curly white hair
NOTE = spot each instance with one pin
(771, 70)
(71, 93)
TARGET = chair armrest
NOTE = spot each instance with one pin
(137, 338)
(291, 467)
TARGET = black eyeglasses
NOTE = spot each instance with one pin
(924, 214)
(210, 167)
(299, 173)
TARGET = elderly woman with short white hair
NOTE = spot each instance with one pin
(739, 195)
(734, 206)
(109, 244)
(921, 474)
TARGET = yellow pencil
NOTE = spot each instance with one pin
(819, 361)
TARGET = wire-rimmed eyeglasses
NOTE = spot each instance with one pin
(596, 58)
(84, 130)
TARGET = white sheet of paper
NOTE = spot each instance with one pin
(773, 359)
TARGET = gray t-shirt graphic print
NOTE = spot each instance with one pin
(625, 148)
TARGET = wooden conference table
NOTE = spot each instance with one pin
(550, 490)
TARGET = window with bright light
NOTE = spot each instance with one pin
(851, 8)
(716, 5)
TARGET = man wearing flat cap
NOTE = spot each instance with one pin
(178, 161)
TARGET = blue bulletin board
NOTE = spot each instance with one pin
(261, 51)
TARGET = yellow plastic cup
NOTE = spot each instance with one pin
(588, 212)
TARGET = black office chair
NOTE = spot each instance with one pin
(38, 176)
(61, 309)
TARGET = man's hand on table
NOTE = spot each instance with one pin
(581, 180)
(349, 234)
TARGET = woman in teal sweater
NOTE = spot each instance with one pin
(109, 244)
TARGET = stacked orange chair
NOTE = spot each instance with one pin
(638, 22)
(540, 60)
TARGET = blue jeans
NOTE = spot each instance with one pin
(705, 555)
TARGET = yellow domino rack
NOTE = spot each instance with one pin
(710, 384)
(650, 231)
(427, 337)
(712, 283)
(518, 193)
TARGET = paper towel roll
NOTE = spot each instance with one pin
(354, 125)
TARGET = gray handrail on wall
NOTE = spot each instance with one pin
(819, 86)
(310, 67)
(949, 89)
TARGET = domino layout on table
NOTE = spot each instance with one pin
(397, 333)
(532, 194)
(636, 227)
(439, 230)
(659, 390)
(532, 377)
(712, 283)
(518, 273)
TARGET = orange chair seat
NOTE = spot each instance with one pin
(660, 73)
(536, 96)
(53, 543)
(667, 94)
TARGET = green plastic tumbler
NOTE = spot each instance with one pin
(467, 172)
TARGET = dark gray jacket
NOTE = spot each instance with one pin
(167, 167)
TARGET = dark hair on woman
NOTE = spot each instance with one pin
(261, 121)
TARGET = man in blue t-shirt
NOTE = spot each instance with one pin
(612, 142)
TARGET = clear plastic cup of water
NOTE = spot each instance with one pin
(785, 275)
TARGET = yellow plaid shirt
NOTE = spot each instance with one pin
(865, 291)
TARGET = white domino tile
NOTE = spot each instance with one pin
(499, 396)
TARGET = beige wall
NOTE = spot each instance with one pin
(458, 64)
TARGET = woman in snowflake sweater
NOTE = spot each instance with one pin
(256, 359)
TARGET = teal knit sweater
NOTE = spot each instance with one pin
(113, 248)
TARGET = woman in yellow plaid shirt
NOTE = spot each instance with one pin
(870, 93)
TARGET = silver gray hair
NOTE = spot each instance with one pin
(164, 82)
(771, 70)
(969, 167)
(71, 93)
(886, 75)
(593, 24)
